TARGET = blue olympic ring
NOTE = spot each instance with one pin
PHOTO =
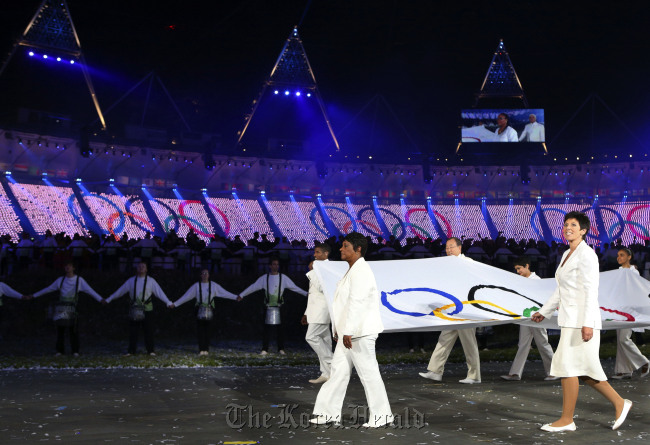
(312, 218)
(121, 225)
(384, 301)
(135, 222)
(541, 212)
(381, 209)
(596, 210)
(74, 213)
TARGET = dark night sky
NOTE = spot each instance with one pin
(427, 58)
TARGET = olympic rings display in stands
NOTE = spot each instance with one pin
(109, 222)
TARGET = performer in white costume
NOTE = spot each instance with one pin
(273, 284)
(528, 334)
(576, 300)
(204, 292)
(140, 288)
(505, 133)
(68, 287)
(317, 316)
(533, 132)
(628, 356)
(356, 323)
(447, 339)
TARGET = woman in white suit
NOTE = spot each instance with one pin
(356, 323)
(576, 300)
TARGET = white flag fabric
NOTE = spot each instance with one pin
(436, 294)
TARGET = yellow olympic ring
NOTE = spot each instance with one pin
(438, 312)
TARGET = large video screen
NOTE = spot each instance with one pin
(501, 125)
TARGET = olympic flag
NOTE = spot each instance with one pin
(452, 293)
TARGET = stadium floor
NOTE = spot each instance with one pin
(229, 405)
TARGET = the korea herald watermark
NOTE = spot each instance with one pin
(290, 416)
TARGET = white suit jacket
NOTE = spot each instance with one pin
(317, 311)
(355, 309)
(533, 133)
(576, 295)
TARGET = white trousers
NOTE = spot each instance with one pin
(329, 401)
(628, 356)
(319, 338)
(470, 348)
(526, 336)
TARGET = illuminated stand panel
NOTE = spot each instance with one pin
(194, 215)
(103, 212)
(46, 207)
(513, 221)
(245, 217)
(465, 220)
(293, 220)
(635, 229)
(417, 222)
(9, 221)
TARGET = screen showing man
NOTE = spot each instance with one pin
(503, 125)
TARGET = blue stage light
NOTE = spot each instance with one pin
(72, 62)
(286, 92)
(58, 59)
(77, 180)
(31, 54)
(276, 92)
(308, 94)
(298, 93)
(45, 56)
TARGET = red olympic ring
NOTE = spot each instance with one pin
(347, 225)
(407, 217)
(181, 211)
(628, 217)
(226, 229)
(624, 314)
(109, 222)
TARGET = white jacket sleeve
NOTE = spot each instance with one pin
(288, 284)
(158, 292)
(218, 291)
(259, 284)
(357, 302)
(84, 287)
(125, 288)
(589, 275)
(191, 294)
(55, 286)
(8, 291)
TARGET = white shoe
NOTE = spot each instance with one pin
(627, 404)
(411, 350)
(558, 429)
(153, 354)
(511, 377)
(281, 351)
(469, 381)
(58, 354)
(263, 353)
(321, 379)
(76, 354)
(431, 376)
(322, 420)
(622, 376)
(423, 351)
(549, 378)
(389, 421)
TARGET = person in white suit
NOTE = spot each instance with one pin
(317, 316)
(533, 132)
(576, 300)
(447, 339)
(528, 334)
(356, 323)
(628, 356)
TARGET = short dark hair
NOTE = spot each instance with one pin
(582, 219)
(457, 240)
(522, 261)
(324, 247)
(357, 240)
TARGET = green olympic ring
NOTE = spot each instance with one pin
(394, 229)
(186, 218)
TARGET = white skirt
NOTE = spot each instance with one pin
(575, 357)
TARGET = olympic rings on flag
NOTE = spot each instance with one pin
(384, 300)
(473, 290)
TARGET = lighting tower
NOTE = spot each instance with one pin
(501, 80)
(291, 72)
(51, 30)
